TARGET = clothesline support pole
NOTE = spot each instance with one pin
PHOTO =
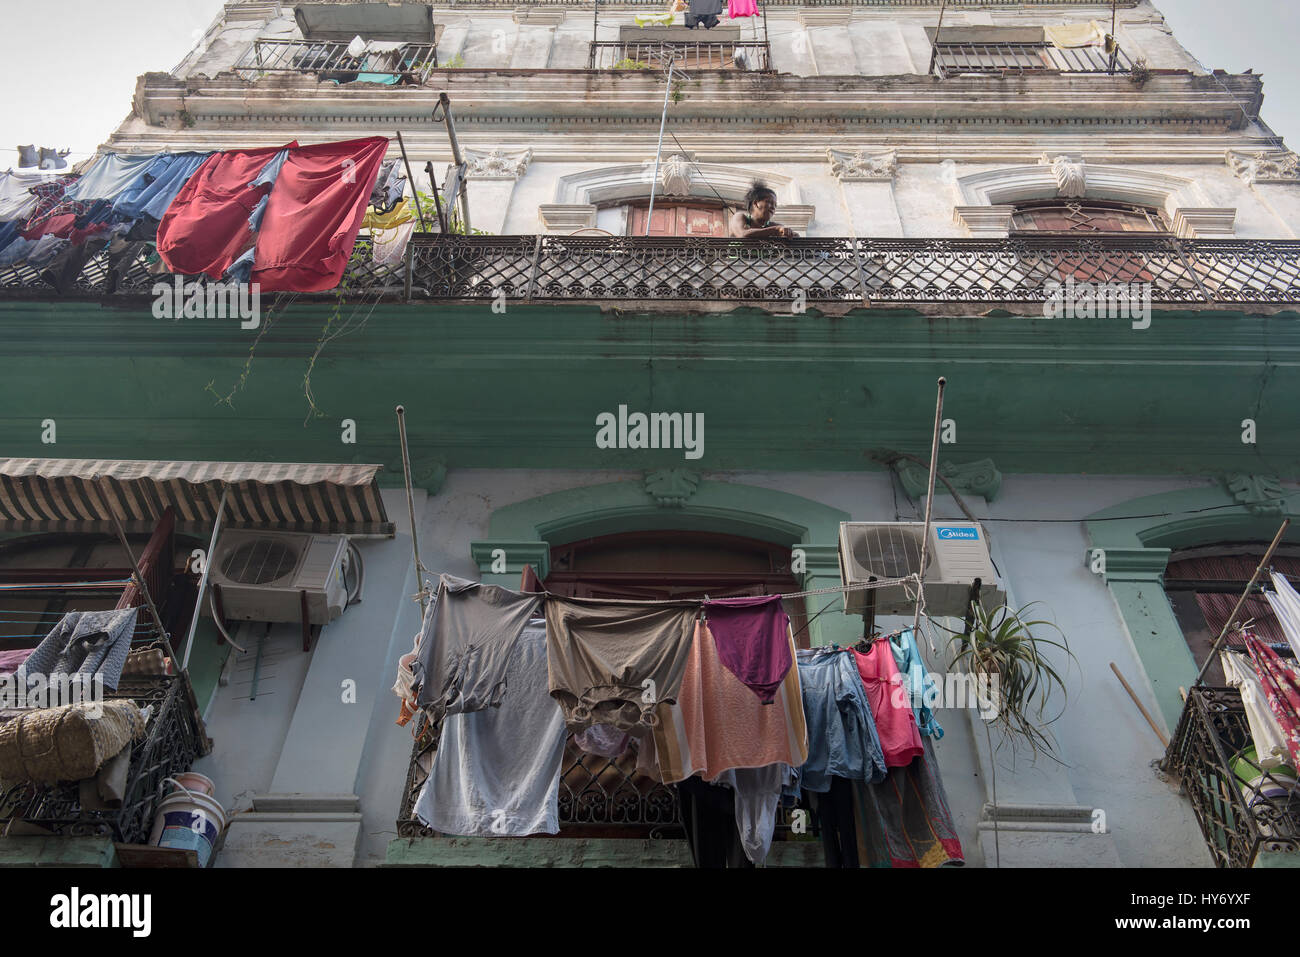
(203, 577)
(595, 34)
(437, 200)
(462, 189)
(663, 121)
(1114, 41)
(410, 505)
(934, 46)
(410, 178)
(1259, 570)
(929, 504)
(135, 568)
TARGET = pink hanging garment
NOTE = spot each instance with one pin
(741, 8)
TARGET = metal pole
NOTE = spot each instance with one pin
(929, 502)
(410, 178)
(934, 47)
(135, 571)
(410, 504)
(595, 34)
(203, 578)
(460, 163)
(1263, 563)
(437, 200)
(1114, 40)
(663, 121)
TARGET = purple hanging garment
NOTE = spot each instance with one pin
(752, 635)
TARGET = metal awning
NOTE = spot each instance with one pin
(399, 22)
(66, 495)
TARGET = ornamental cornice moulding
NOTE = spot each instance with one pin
(863, 165)
(497, 164)
(1265, 166)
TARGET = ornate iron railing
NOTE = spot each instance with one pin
(1241, 808)
(330, 60)
(597, 795)
(174, 738)
(686, 54)
(609, 269)
(954, 58)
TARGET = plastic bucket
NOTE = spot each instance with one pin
(188, 819)
(195, 783)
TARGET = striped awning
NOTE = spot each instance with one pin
(78, 495)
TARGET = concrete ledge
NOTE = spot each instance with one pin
(298, 803)
(325, 839)
(56, 851)
(571, 852)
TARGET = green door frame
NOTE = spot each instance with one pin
(677, 500)
(1134, 553)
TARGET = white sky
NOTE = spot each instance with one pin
(69, 69)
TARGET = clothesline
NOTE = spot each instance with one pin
(46, 586)
(684, 602)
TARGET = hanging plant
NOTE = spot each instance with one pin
(1011, 662)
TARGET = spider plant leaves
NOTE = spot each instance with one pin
(1003, 649)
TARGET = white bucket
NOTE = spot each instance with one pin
(190, 820)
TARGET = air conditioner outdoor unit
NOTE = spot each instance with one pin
(958, 554)
(263, 575)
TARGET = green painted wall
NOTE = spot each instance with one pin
(523, 389)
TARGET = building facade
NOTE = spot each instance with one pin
(953, 183)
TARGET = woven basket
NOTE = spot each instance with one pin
(67, 743)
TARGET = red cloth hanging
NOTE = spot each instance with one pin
(315, 211)
(205, 228)
(1281, 681)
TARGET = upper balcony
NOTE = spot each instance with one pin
(644, 272)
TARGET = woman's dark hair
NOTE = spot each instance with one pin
(759, 190)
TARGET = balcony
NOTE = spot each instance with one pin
(751, 55)
(175, 737)
(408, 63)
(854, 272)
(1227, 789)
(951, 59)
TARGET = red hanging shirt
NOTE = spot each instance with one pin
(315, 211)
(205, 228)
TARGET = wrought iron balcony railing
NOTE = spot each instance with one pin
(951, 59)
(330, 60)
(173, 739)
(854, 271)
(750, 55)
(1241, 808)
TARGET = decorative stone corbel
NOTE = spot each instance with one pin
(1070, 172)
(671, 488)
(1265, 166)
(985, 222)
(863, 166)
(974, 478)
(1205, 223)
(564, 218)
(497, 164)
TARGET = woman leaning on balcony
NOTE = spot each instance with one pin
(755, 222)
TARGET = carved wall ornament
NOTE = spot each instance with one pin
(863, 165)
(975, 478)
(497, 164)
(1261, 494)
(1071, 175)
(675, 175)
(671, 488)
(1265, 166)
